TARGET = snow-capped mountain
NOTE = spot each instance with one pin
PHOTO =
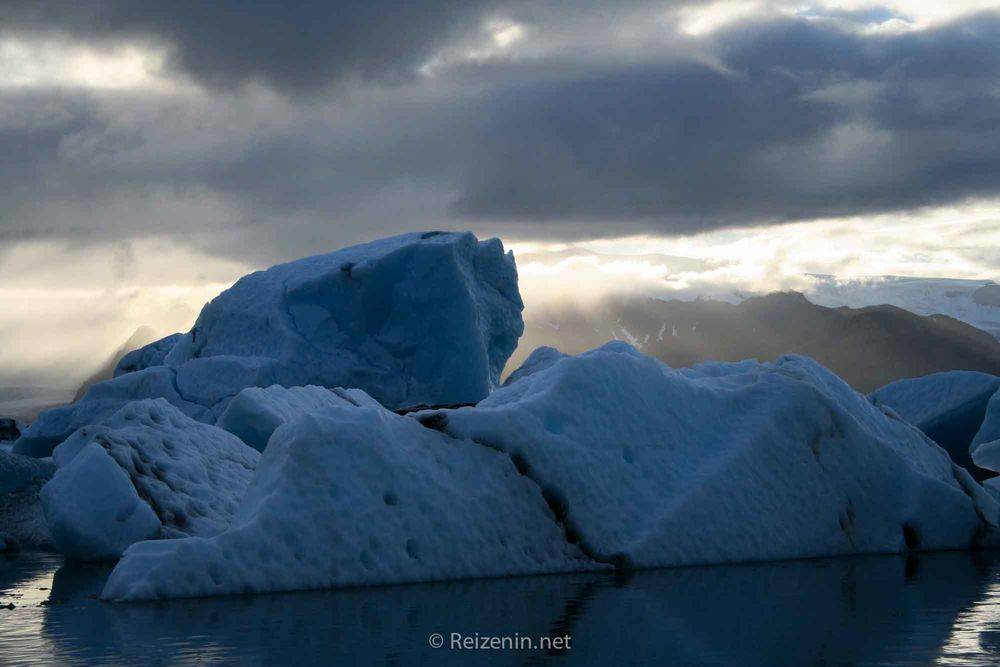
(976, 302)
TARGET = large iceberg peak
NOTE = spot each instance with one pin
(416, 319)
(425, 318)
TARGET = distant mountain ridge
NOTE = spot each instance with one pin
(976, 302)
(869, 347)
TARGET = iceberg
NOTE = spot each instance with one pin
(22, 523)
(986, 445)
(414, 319)
(353, 495)
(651, 466)
(949, 407)
(92, 508)
(255, 413)
(188, 476)
(10, 430)
(934, 398)
(417, 319)
(608, 459)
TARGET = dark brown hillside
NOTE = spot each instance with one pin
(868, 347)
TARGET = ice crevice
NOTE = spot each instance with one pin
(555, 499)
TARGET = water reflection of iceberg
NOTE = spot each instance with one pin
(851, 610)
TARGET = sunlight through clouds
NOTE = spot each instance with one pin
(946, 242)
(65, 312)
(41, 63)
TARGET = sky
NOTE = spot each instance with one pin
(151, 153)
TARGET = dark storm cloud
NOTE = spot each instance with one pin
(803, 120)
(34, 128)
(289, 46)
(764, 121)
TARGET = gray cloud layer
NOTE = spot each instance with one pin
(767, 120)
(293, 47)
(805, 121)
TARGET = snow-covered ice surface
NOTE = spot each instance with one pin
(949, 407)
(255, 413)
(21, 520)
(360, 495)
(724, 462)
(960, 299)
(92, 509)
(191, 476)
(417, 319)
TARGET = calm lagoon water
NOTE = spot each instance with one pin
(940, 608)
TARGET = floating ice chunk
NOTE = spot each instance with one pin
(931, 399)
(191, 476)
(21, 518)
(986, 445)
(949, 407)
(255, 413)
(359, 495)
(724, 462)
(637, 464)
(10, 430)
(21, 473)
(92, 509)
